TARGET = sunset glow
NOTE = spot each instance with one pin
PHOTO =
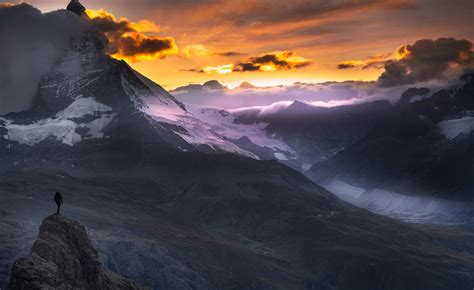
(223, 144)
(176, 44)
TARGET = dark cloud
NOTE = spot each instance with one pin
(229, 53)
(376, 61)
(280, 60)
(31, 44)
(273, 61)
(427, 60)
(194, 70)
(346, 65)
(130, 47)
(128, 40)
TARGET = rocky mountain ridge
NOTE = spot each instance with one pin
(63, 258)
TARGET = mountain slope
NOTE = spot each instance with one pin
(426, 147)
(214, 222)
(91, 96)
(163, 208)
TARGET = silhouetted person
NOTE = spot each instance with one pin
(58, 198)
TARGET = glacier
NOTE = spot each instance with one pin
(455, 127)
(63, 127)
(408, 208)
(223, 122)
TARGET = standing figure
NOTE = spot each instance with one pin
(58, 198)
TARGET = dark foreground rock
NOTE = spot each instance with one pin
(63, 258)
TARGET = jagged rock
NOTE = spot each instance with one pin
(76, 7)
(63, 258)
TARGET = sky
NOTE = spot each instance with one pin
(301, 40)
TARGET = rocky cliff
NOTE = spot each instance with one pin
(63, 258)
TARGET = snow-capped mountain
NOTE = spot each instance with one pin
(133, 166)
(425, 148)
(407, 160)
(92, 96)
(295, 133)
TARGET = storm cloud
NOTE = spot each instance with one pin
(428, 60)
(130, 40)
(31, 44)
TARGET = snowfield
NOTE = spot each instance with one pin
(63, 127)
(408, 208)
(222, 121)
(157, 103)
(453, 128)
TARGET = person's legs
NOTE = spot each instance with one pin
(58, 209)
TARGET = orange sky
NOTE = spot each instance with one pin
(324, 33)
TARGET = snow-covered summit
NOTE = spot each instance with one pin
(89, 95)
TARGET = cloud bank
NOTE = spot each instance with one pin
(31, 44)
(427, 60)
(426, 63)
(329, 94)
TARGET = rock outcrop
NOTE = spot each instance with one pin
(76, 7)
(63, 258)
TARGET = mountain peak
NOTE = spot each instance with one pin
(214, 85)
(76, 7)
(299, 105)
(63, 258)
(247, 85)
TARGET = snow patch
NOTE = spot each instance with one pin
(82, 107)
(453, 128)
(306, 166)
(155, 102)
(63, 128)
(344, 190)
(280, 156)
(222, 121)
(201, 133)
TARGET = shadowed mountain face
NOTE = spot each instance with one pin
(167, 208)
(411, 160)
(63, 258)
(423, 147)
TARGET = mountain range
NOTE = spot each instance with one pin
(183, 197)
(389, 157)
